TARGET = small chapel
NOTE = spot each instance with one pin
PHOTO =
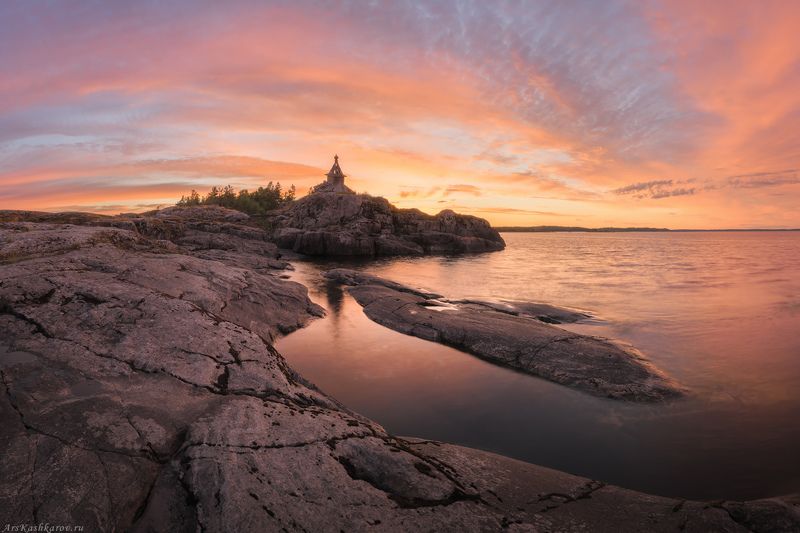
(335, 181)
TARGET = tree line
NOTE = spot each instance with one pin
(258, 202)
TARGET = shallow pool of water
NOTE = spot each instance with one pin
(720, 312)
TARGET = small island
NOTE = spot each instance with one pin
(335, 221)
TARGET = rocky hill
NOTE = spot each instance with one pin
(344, 224)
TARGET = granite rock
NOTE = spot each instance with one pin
(331, 224)
(139, 391)
(518, 335)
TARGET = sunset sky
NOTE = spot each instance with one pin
(606, 113)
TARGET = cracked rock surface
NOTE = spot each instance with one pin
(513, 334)
(139, 391)
(332, 224)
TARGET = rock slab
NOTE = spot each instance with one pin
(513, 334)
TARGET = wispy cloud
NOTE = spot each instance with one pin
(645, 186)
(419, 192)
(462, 189)
(657, 189)
(680, 191)
(442, 192)
(501, 210)
(654, 189)
(540, 182)
(516, 211)
(764, 179)
(578, 106)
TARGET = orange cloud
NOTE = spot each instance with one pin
(612, 114)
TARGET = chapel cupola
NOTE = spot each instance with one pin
(335, 181)
(335, 174)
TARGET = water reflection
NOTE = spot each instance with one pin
(714, 310)
(334, 297)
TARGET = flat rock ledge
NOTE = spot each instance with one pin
(518, 335)
(139, 391)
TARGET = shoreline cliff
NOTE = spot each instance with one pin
(336, 224)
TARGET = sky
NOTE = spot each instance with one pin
(678, 114)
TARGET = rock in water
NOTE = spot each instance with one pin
(139, 391)
(513, 335)
(335, 224)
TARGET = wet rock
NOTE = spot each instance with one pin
(550, 314)
(514, 335)
(346, 276)
(549, 500)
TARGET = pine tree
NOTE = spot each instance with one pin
(258, 202)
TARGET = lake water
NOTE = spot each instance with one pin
(719, 312)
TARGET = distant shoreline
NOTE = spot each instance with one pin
(575, 229)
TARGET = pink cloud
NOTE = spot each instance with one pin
(498, 104)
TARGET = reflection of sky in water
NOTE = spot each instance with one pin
(718, 311)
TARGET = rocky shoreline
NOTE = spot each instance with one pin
(349, 224)
(141, 392)
(518, 335)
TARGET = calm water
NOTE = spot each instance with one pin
(720, 312)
